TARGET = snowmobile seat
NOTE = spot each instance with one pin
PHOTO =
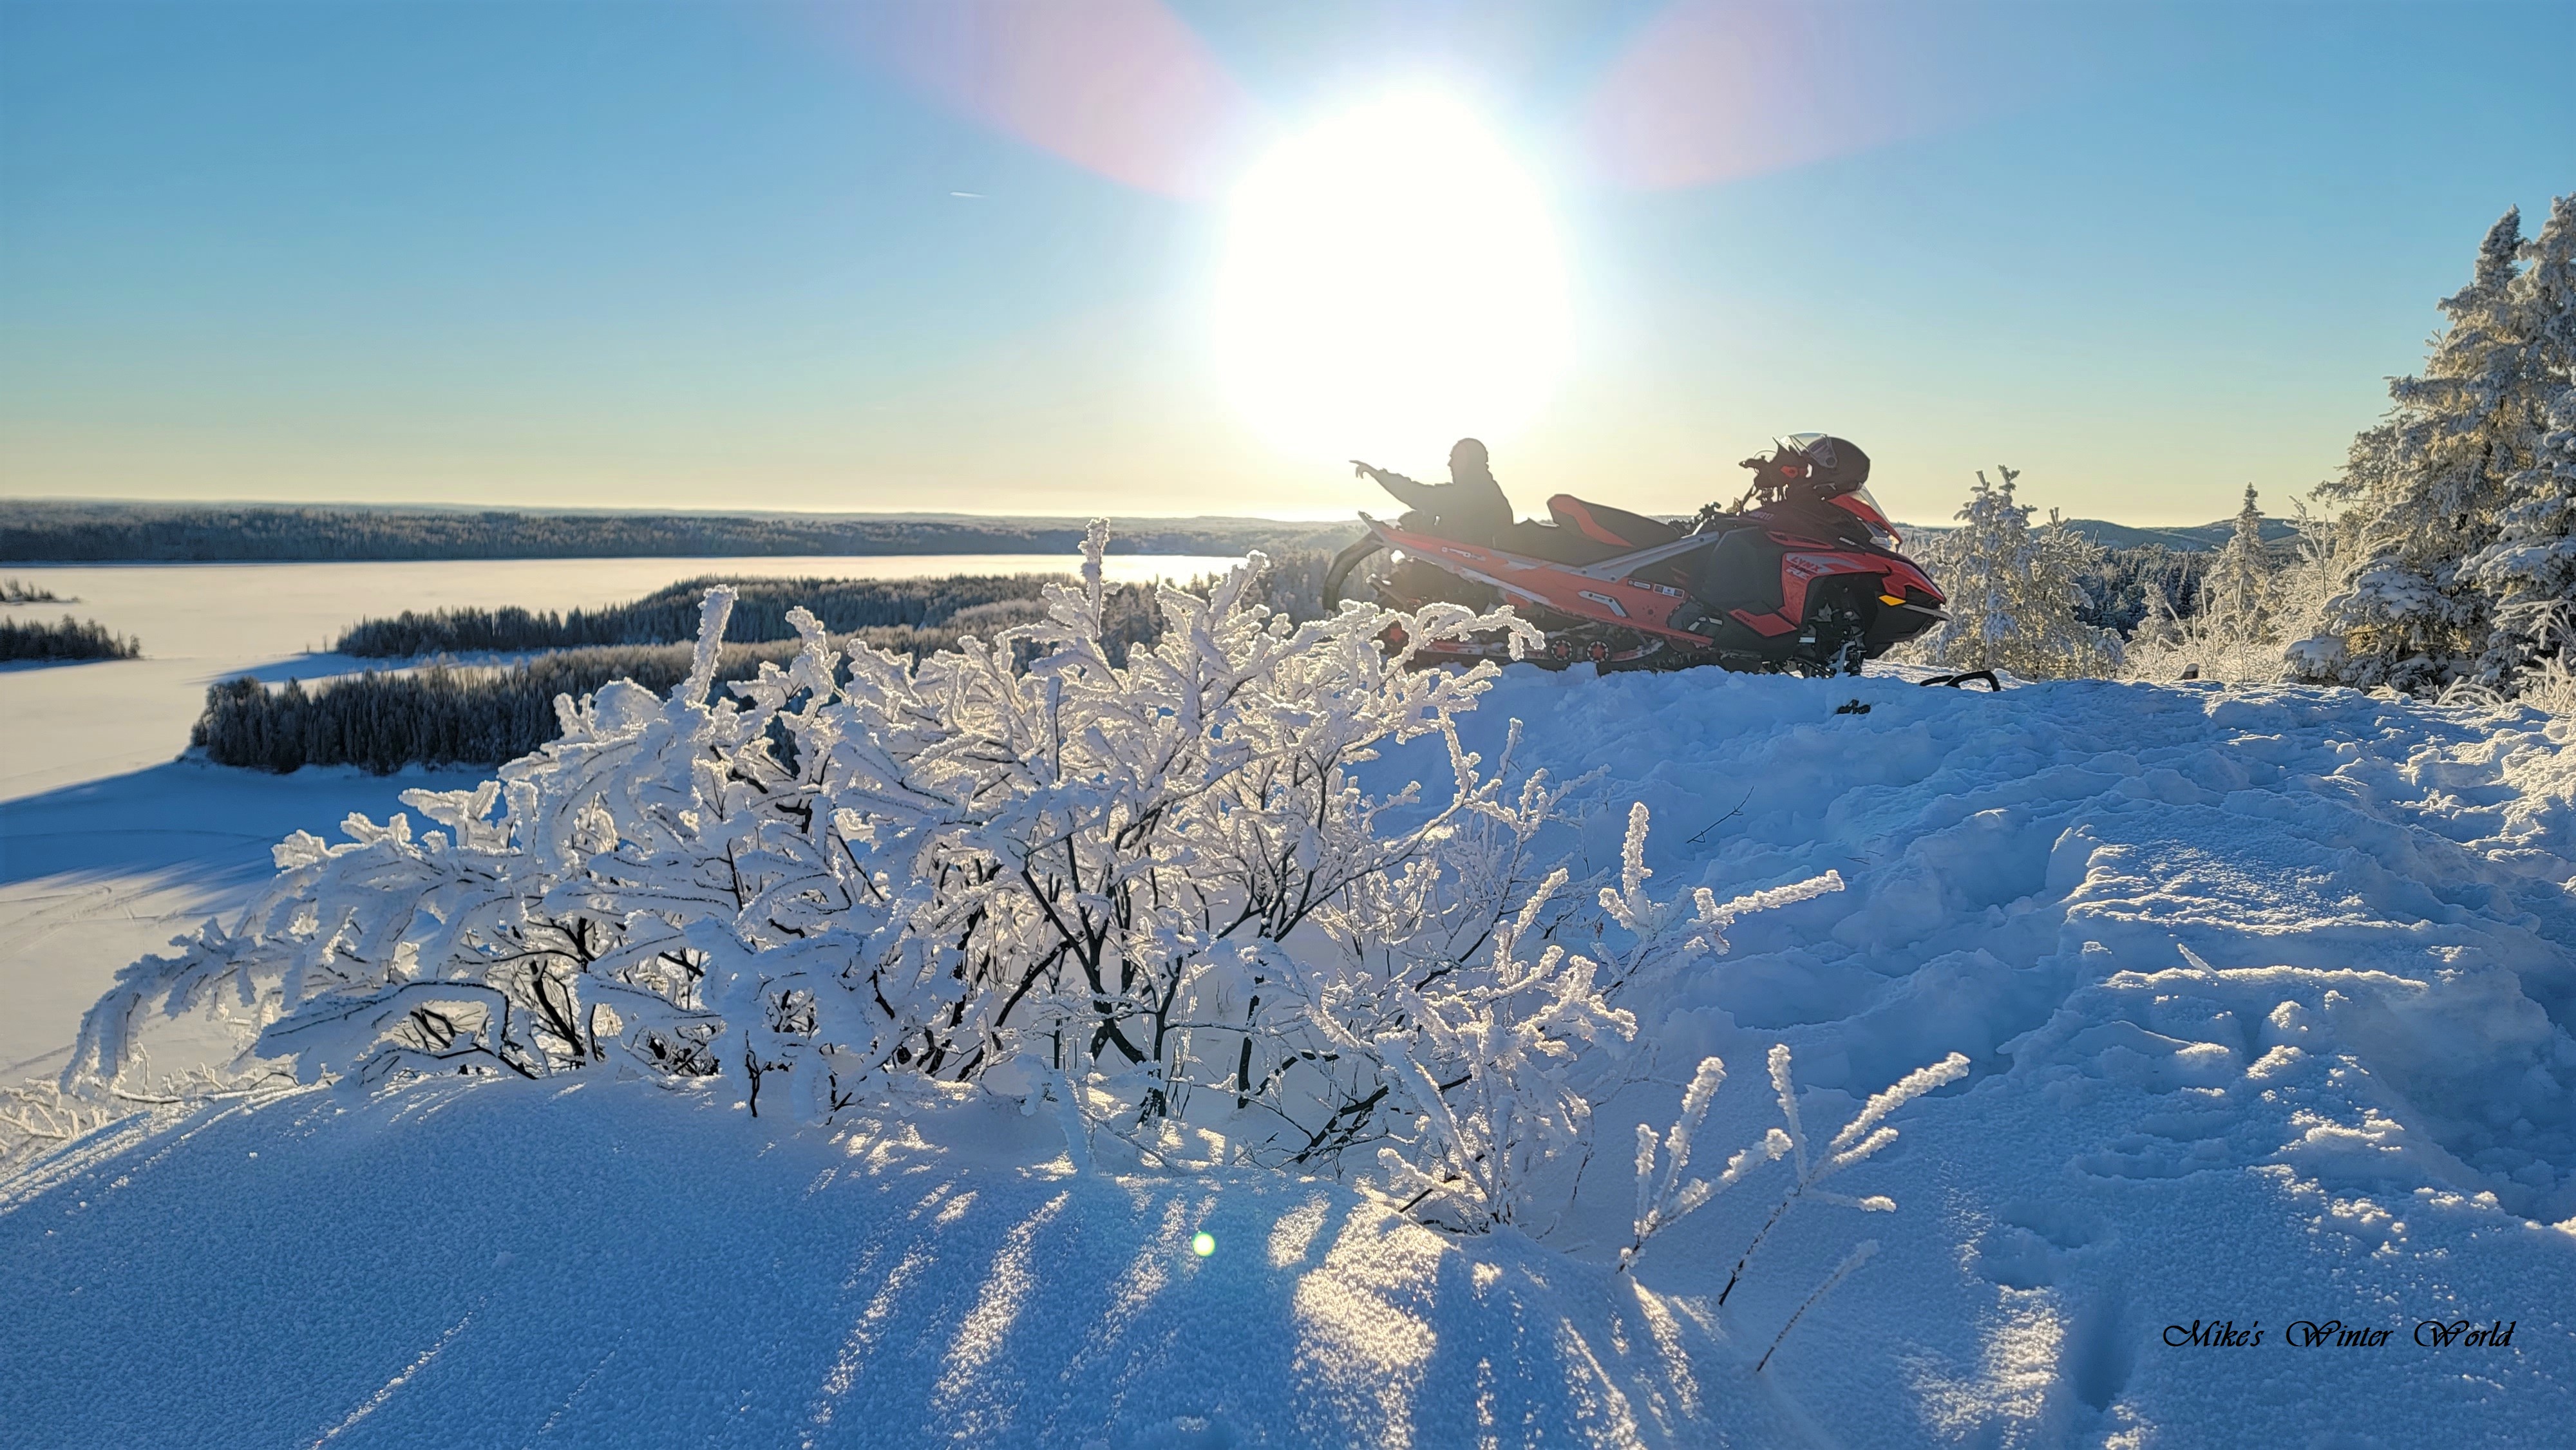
(1601, 523)
(1534, 540)
(1586, 533)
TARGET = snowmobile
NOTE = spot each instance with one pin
(1802, 575)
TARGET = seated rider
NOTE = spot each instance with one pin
(1470, 507)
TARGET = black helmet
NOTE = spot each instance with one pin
(1834, 465)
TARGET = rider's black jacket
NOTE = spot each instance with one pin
(1471, 508)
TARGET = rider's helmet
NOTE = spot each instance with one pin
(1468, 454)
(1832, 466)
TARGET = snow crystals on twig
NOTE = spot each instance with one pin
(1859, 1139)
(1663, 1199)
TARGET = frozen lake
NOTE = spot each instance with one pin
(108, 844)
(204, 622)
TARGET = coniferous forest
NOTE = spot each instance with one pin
(446, 713)
(71, 639)
(64, 532)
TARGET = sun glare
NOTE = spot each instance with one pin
(1392, 280)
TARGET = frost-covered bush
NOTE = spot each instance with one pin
(37, 1115)
(1859, 1140)
(2014, 592)
(1154, 893)
(1664, 1198)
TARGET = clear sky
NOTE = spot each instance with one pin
(976, 256)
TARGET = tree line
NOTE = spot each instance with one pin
(442, 714)
(55, 531)
(2442, 560)
(72, 639)
(667, 616)
(449, 714)
(1293, 583)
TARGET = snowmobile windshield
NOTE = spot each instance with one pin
(1863, 505)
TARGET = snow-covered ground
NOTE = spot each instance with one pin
(2266, 992)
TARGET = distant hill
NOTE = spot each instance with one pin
(2195, 539)
(62, 532)
(2186, 540)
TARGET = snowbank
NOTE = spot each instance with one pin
(2266, 994)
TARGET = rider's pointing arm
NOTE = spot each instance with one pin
(1411, 494)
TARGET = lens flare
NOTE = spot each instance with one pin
(1203, 1244)
(1391, 276)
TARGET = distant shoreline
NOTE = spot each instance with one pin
(59, 532)
(40, 532)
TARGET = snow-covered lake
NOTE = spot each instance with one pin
(204, 622)
(107, 846)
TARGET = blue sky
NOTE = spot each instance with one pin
(709, 254)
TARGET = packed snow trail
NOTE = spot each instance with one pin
(2266, 994)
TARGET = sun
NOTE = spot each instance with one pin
(1392, 280)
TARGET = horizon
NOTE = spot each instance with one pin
(1069, 520)
(879, 262)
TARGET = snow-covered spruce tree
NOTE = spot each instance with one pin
(1154, 892)
(1494, 1059)
(2247, 597)
(2427, 488)
(2236, 596)
(2526, 572)
(2013, 591)
(2529, 572)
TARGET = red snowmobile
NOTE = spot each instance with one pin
(1802, 574)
